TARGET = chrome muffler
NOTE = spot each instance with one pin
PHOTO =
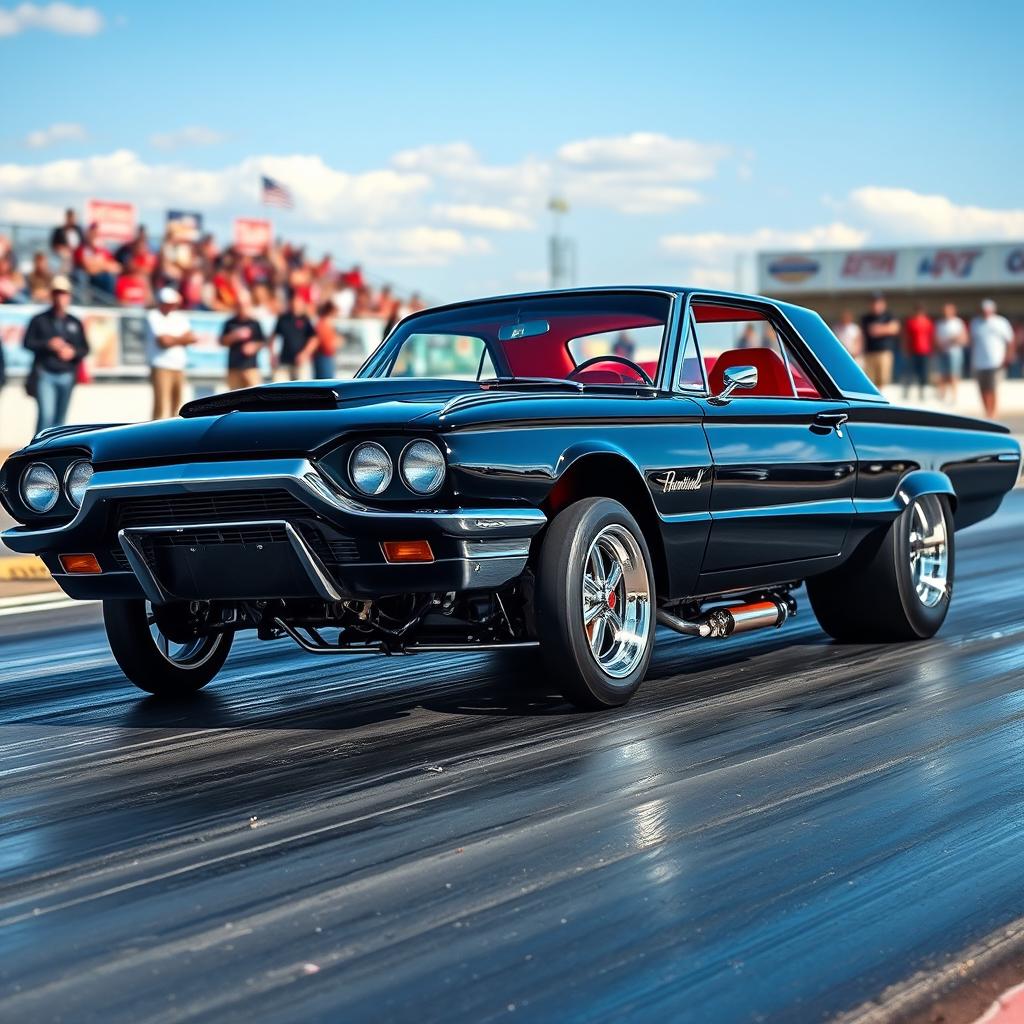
(726, 620)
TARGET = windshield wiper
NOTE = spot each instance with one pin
(541, 382)
(562, 382)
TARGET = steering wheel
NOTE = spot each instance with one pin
(628, 363)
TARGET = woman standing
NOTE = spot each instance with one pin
(327, 343)
(951, 339)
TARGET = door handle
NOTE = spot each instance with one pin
(831, 421)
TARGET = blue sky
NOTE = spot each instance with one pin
(425, 139)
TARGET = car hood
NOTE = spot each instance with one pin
(285, 419)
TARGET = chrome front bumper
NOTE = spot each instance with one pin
(474, 548)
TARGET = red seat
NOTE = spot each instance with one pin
(772, 377)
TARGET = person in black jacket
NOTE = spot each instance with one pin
(57, 340)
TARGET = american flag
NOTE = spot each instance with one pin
(273, 193)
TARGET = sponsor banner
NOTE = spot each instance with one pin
(252, 235)
(117, 340)
(117, 221)
(908, 268)
(185, 225)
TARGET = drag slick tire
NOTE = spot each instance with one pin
(157, 652)
(898, 585)
(595, 604)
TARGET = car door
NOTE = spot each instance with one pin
(784, 464)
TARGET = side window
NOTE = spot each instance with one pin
(728, 336)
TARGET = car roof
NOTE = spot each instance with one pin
(672, 289)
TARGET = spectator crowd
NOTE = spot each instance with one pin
(206, 274)
(933, 351)
(303, 297)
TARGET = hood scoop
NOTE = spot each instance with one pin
(264, 399)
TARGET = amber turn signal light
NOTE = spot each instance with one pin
(407, 551)
(80, 565)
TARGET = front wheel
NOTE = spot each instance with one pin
(899, 585)
(595, 603)
(156, 651)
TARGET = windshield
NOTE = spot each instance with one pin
(613, 338)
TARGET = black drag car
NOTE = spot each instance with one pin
(547, 476)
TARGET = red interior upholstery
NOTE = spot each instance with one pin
(772, 379)
(724, 314)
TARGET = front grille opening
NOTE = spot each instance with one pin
(181, 509)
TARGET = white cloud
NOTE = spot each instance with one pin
(62, 18)
(712, 277)
(21, 211)
(62, 131)
(905, 215)
(626, 194)
(717, 245)
(641, 173)
(459, 166)
(323, 195)
(473, 215)
(190, 135)
(421, 246)
(647, 154)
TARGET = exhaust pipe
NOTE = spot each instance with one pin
(724, 621)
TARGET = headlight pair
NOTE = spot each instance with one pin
(421, 466)
(40, 488)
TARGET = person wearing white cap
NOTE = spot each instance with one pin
(991, 337)
(168, 334)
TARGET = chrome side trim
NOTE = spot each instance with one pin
(158, 594)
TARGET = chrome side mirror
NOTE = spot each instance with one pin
(734, 379)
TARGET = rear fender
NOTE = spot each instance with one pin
(914, 485)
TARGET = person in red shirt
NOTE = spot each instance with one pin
(132, 288)
(918, 345)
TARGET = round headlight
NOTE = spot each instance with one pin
(422, 467)
(40, 488)
(76, 480)
(369, 468)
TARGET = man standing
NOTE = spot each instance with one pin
(991, 336)
(65, 239)
(880, 329)
(168, 335)
(919, 334)
(298, 340)
(57, 340)
(244, 338)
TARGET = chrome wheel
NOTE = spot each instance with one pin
(192, 654)
(929, 552)
(616, 601)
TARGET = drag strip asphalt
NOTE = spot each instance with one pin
(777, 828)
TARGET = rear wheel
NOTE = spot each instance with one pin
(595, 603)
(156, 650)
(899, 585)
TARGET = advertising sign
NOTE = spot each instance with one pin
(185, 225)
(912, 267)
(117, 221)
(252, 235)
